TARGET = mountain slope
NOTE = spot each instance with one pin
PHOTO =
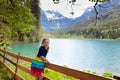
(89, 16)
(52, 21)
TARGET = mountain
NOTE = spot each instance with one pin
(89, 16)
(53, 21)
(107, 27)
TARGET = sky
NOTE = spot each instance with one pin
(65, 8)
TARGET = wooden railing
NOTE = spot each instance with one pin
(4, 54)
(67, 71)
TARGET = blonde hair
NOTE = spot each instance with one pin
(43, 40)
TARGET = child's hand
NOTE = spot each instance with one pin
(46, 61)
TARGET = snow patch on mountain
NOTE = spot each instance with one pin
(52, 15)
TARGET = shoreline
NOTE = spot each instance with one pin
(20, 42)
(86, 39)
(76, 37)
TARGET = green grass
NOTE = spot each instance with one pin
(57, 76)
(4, 74)
(108, 74)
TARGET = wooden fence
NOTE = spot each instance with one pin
(67, 71)
(4, 54)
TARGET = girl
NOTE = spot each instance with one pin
(38, 64)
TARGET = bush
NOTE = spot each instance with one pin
(4, 74)
(108, 74)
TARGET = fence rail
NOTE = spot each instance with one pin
(67, 71)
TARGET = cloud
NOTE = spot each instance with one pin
(64, 8)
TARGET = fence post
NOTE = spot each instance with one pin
(4, 56)
(116, 77)
(16, 70)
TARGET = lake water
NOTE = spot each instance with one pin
(95, 55)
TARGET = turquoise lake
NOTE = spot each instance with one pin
(95, 55)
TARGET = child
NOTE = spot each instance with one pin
(38, 64)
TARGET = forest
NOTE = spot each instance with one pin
(19, 21)
(106, 30)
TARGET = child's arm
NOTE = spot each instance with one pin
(44, 59)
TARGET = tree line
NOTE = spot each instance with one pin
(106, 29)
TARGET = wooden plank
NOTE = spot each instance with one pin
(24, 69)
(16, 69)
(75, 73)
(9, 53)
(19, 66)
(18, 77)
(17, 56)
(25, 58)
(9, 60)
